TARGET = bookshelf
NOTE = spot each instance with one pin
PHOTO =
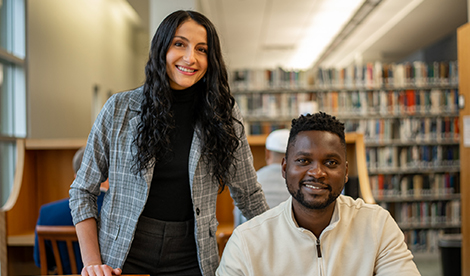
(463, 46)
(409, 116)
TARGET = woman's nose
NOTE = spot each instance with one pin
(189, 56)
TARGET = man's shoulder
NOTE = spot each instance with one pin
(264, 220)
(271, 174)
(357, 203)
(270, 168)
(359, 206)
(55, 204)
(55, 213)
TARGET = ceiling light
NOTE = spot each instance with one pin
(327, 21)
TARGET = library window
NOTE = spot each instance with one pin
(13, 124)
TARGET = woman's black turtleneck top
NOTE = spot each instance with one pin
(170, 193)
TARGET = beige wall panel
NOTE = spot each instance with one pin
(73, 46)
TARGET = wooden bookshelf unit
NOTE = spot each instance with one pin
(43, 174)
(463, 46)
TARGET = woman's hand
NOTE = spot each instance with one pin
(88, 239)
(100, 270)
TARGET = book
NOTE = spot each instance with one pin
(417, 185)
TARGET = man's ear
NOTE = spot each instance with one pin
(283, 166)
(347, 172)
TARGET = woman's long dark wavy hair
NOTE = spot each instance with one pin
(215, 104)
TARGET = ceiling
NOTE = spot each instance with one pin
(397, 28)
(260, 34)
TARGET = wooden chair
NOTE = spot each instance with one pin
(56, 234)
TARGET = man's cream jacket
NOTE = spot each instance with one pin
(361, 239)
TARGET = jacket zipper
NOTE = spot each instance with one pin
(319, 257)
(318, 248)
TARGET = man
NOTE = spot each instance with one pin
(318, 231)
(58, 213)
(270, 176)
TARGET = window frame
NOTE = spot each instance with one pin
(13, 90)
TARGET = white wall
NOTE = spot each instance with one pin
(159, 9)
(71, 47)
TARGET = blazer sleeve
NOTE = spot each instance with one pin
(244, 187)
(85, 189)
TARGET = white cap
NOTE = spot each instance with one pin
(277, 140)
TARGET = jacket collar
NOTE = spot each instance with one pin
(135, 103)
(335, 218)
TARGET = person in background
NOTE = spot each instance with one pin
(168, 147)
(58, 213)
(270, 176)
(318, 231)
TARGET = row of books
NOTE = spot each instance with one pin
(276, 105)
(417, 156)
(428, 213)
(423, 240)
(419, 186)
(354, 103)
(373, 75)
(260, 79)
(258, 128)
(423, 129)
(381, 131)
(389, 102)
(369, 76)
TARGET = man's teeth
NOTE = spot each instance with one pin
(185, 69)
(313, 187)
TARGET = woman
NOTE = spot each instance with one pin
(167, 148)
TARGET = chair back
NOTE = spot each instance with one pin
(56, 234)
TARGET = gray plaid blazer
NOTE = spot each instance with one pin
(108, 154)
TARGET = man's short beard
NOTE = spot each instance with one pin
(299, 196)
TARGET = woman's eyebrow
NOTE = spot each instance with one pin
(181, 37)
(185, 39)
